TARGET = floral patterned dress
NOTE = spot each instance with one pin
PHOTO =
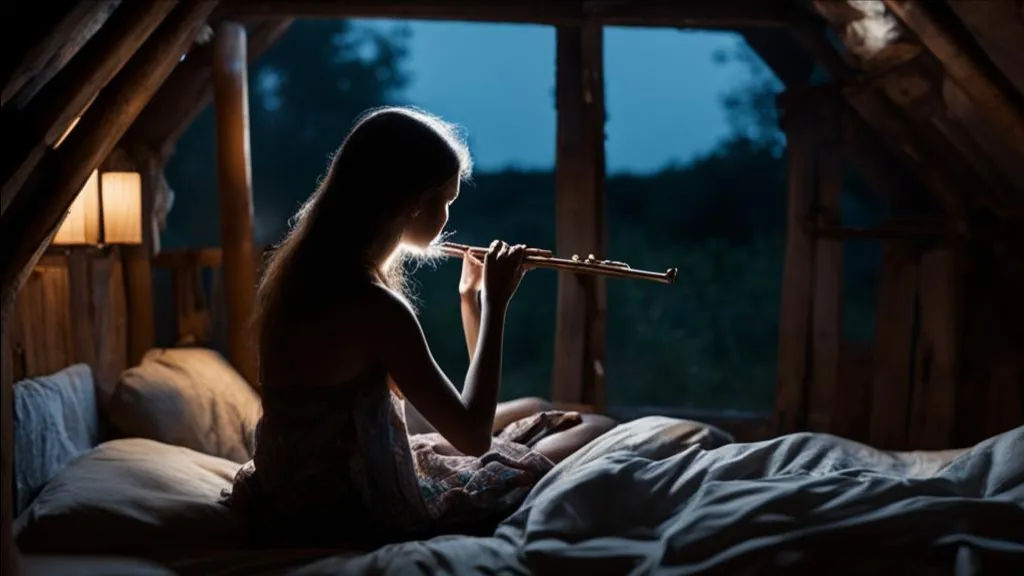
(335, 467)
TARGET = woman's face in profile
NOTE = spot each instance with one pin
(432, 215)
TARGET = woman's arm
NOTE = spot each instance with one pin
(471, 320)
(465, 420)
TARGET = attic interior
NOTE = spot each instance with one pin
(924, 99)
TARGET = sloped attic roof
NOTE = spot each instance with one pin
(939, 83)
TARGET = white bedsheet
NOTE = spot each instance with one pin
(641, 501)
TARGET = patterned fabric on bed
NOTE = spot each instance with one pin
(335, 466)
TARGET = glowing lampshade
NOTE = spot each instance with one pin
(122, 207)
(82, 223)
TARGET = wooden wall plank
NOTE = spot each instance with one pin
(852, 413)
(45, 318)
(795, 307)
(827, 299)
(71, 310)
(578, 375)
(80, 307)
(111, 329)
(894, 333)
(138, 260)
(933, 400)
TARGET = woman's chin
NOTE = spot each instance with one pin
(419, 249)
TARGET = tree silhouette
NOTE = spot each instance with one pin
(305, 91)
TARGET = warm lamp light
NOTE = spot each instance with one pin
(108, 210)
(82, 223)
(122, 207)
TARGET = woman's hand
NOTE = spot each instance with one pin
(472, 280)
(502, 271)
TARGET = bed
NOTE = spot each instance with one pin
(126, 481)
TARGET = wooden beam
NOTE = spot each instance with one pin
(55, 50)
(782, 52)
(50, 114)
(231, 104)
(188, 91)
(999, 29)
(689, 14)
(35, 214)
(901, 138)
(578, 374)
(975, 81)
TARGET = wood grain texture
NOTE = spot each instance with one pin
(894, 337)
(790, 413)
(578, 374)
(234, 182)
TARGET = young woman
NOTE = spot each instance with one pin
(341, 349)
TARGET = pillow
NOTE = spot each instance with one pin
(188, 397)
(55, 421)
(133, 497)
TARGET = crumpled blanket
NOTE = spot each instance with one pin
(462, 487)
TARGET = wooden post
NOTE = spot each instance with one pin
(790, 412)
(231, 103)
(578, 375)
(47, 116)
(827, 298)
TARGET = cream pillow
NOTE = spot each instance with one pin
(133, 497)
(189, 397)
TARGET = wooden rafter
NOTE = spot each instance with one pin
(188, 91)
(688, 14)
(50, 114)
(35, 214)
(880, 98)
(47, 58)
(968, 73)
(33, 27)
(999, 28)
(788, 55)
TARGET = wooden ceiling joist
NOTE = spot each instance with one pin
(35, 214)
(56, 49)
(959, 64)
(188, 91)
(675, 13)
(47, 116)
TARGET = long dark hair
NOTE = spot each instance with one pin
(350, 227)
